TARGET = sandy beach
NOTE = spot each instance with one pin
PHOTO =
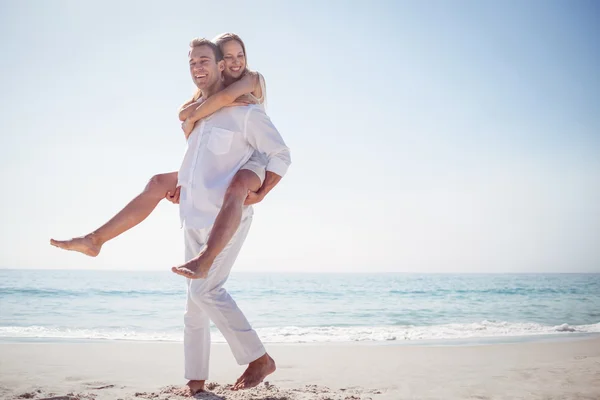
(133, 370)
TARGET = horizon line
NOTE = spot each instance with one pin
(317, 273)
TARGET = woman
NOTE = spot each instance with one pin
(242, 87)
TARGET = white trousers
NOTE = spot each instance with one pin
(208, 300)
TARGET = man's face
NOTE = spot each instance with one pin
(204, 68)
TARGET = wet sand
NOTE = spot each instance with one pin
(136, 370)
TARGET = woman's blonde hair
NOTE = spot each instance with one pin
(223, 38)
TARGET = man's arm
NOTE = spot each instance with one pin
(271, 180)
(264, 137)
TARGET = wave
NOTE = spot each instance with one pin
(293, 334)
(88, 292)
(495, 291)
(438, 292)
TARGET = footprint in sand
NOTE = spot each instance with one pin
(98, 385)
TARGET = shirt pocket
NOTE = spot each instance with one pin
(220, 140)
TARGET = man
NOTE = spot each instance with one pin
(217, 148)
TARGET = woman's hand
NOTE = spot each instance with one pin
(173, 197)
(243, 100)
(187, 126)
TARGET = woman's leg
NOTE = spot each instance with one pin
(226, 224)
(135, 212)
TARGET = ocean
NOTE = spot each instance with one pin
(304, 308)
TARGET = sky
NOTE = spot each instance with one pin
(438, 136)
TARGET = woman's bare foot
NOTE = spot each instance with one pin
(191, 388)
(256, 372)
(89, 245)
(196, 268)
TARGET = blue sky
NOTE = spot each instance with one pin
(426, 136)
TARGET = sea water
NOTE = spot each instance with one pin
(300, 308)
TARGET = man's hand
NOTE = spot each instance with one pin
(173, 197)
(188, 127)
(253, 198)
(271, 180)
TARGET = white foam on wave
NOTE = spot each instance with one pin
(77, 333)
(292, 334)
(485, 329)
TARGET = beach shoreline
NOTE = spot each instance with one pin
(555, 369)
(467, 341)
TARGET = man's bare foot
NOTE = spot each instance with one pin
(256, 372)
(196, 268)
(190, 388)
(89, 245)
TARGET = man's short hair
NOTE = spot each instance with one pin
(197, 42)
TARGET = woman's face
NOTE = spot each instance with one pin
(235, 59)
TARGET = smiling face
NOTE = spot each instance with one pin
(204, 68)
(235, 59)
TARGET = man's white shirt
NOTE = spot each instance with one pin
(216, 149)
